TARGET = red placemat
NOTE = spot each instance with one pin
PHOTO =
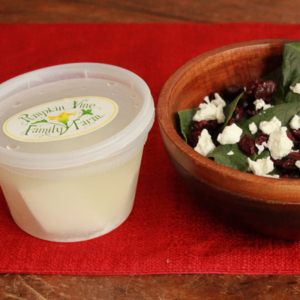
(166, 232)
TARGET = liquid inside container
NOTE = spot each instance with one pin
(70, 148)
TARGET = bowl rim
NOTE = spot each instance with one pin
(166, 125)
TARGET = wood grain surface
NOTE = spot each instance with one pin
(128, 11)
(161, 287)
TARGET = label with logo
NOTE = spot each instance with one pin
(62, 119)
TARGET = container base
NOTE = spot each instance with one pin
(75, 209)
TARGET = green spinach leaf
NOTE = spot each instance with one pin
(275, 75)
(186, 121)
(238, 161)
(228, 112)
(290, 66)
(283, 112)
(278, 96)
(292, 97)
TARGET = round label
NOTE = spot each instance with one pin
(62, 119)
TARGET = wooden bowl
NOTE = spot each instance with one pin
(258, 204)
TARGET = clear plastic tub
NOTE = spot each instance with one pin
(71, 145)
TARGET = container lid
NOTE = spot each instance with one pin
(69, 115)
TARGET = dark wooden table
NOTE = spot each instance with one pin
(160, 287)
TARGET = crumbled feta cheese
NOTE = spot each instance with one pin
(230, 135)
(218, 101)
(253, 128)
(271, 126)
(205, 144)
(230, 153)
(297, 163)
(220, 114)
(206, 112)
(261, 147)
(211, 110)
(206, 99)
(272, 176)
(261, 167)
(267, 106)
(296, 88)
(260, 103)
(295, 122)
(279, 144)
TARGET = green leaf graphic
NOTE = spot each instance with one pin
(86, 112)
(41, 121)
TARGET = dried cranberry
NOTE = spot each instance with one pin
(258, 81)
(277, 162)
(199, 126)
(261, 137)
(204, 124)
(294, 175)
(248, 91)
(289, 164)
(296, 133)
(236, 116)
(246, 145)
(231, 121)
(270, 87)
(267, 100)
(257, 89)
(252, 113)
(294, 155)
(214, 124)
(252, 85)
(297, 143)
(259, 92)
(244, 102)
(232, 91)
(284, 176)
(193, 138)
(265, 90)
(291, 137)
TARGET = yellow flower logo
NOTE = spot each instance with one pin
(63, 117)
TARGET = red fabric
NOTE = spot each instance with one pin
(166, 231)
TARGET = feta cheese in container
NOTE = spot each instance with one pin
(71, 143)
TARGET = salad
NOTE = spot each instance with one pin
(253, 129)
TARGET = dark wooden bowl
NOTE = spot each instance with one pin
(262, 205)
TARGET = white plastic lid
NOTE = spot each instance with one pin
(130, 110)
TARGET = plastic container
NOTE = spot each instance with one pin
(71, 143)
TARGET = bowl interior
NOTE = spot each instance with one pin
(212, 72)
